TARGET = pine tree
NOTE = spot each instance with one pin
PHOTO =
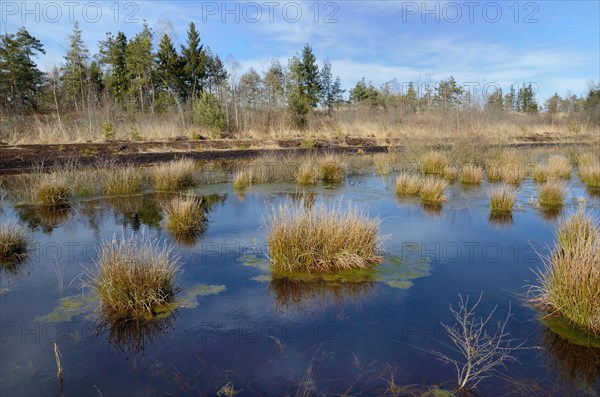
(112, 56)
(309, 83)
(75, 70)
(494, 101)
(20, 78)
(274, 83)
(552, 104)
(169, 67)
(195, 63)
(299, 103)
(526, 100)
(139, 61)
(448, 93)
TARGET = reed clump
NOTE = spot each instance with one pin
(569, 286)
(175, 175)
(493, 171)
(471, 174)
(450, 173)
(502, 198)
(514, 173)
(185, 215)
(434, 162)
(242, 179)
(408, 184)
(134, 277)
(540, 173)
(331, 169)
(51, 190)
(432, 190)
(551, 194)
(308, 173)
(590, 174)
(559, 166)
(123, 181)
(14, 241)
(321, 239)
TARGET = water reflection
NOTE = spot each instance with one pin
(551, 214)
(300, 295)
(134, 334)
(501, 219)
(432, 210)
(46, 218)
(577, 366)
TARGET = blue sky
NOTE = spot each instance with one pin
(553, 44)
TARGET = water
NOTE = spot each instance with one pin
(239, 330)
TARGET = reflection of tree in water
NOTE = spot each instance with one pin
(46, 218)
(576, 366)
(137, 210)
(134, 334)
(299, 295)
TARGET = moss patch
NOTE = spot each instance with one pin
(576, 336)
(71, 307)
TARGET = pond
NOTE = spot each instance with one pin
(238, 331)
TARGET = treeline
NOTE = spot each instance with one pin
(129, 76)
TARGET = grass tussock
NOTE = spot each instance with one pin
(551, 194)
(175, 175)
(52, 191)
(493, 171)
(590, 174)
(434, 162)
(540, 173)
(321, 239)
(123, 181)
(450, 173)
(332, 169)
(514, 173)
(408, 184)
(587, 158)
(134, 276)
(559, 166)
(242, 179)
(502, 198)
(384, 163)
(308, 173)
(185, 215)
(14, 241)
(570, 285)
(432, 190)
(471, 174)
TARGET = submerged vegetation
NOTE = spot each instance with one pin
(134, 277)
(569, 286)
(321, 239)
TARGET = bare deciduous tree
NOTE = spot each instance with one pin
(480, 348)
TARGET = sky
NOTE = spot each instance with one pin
(554, 45)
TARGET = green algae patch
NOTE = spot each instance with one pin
(394, 271)
(3, 290)
(190, 298)
(71, 307)
(437, 392)
(577, 336)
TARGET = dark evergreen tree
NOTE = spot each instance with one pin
(194, 63)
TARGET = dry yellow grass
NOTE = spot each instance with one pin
(502, 198)
(174, 175)
(471, 174)
(559, 166)
(331, 169)
(14, 241)
(308, 173)
(242, 179)
(551, 194)
(514, 173)
(450, 173)
(134, 277)
(434, 162)
(570, 284)
(185, 215)
(493, 171)
(321, 239)
(123, 181)
(408, 184)
(540, 173)
(432, 190)
(590, 174)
